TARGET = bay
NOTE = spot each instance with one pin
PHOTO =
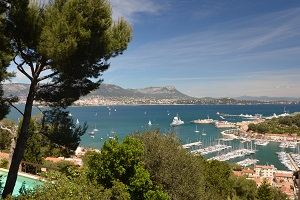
(120, 121)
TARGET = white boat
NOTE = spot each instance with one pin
(77, 121)
(196, 131)
(203, 132)
(176, 121)
(149, 123)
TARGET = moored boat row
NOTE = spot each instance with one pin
(211, 149)
(247, 162)
(233, 154)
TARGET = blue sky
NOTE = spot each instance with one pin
(210, 48)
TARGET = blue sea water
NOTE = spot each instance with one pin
(123, 120)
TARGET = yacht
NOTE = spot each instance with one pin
(176, 121)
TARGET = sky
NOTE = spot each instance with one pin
(210, 48)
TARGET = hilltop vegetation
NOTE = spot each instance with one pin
(282, 125)
(148, 166)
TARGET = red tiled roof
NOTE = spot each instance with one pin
(248, 171)
(238, 173)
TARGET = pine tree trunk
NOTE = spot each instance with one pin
(21, 143)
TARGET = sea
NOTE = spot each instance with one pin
(120, 121)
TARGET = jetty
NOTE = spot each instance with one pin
(189, 145)
(288, 161)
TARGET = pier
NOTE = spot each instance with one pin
(293, 162)
(189, 145)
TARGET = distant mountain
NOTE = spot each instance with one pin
(109, 90)
(266, 98)
(168, 92)
(16, 89)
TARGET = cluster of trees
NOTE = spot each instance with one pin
(62, 47)
(282, 125)
(148, 166)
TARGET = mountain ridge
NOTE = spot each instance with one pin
(164, 92)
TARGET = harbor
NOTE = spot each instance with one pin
(124, 120)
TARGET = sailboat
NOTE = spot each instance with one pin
(149, 123)
(95, 129)
(77, 121)
(203, 132)
(196, 131)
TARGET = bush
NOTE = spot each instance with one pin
(4, 163)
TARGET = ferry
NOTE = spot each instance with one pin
(203, 121)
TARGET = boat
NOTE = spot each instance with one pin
(176, 121)
(91, 133)
(203, 121)
(196, 131)
(92, 136)
(149, 123)
(77, 121)
(203, 132)
(95, 129)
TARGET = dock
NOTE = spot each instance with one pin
(189, 145)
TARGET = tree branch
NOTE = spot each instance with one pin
(13, 132)
(48, 76)
(16, 109)
(21, 69)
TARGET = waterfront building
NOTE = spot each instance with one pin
(265, 171)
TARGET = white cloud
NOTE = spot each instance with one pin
(129, 8)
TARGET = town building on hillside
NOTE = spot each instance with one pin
(249, 173)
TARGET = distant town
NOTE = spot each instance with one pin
(98, 100)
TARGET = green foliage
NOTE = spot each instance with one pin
(218, 177)
(264, 191)
(235, 167)
(278, 195)
(121, 163)
(4, 163)
(180, 173)
(281, 125)
(65, 188)
(244, 189)
(5, 135)
(60, 128)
